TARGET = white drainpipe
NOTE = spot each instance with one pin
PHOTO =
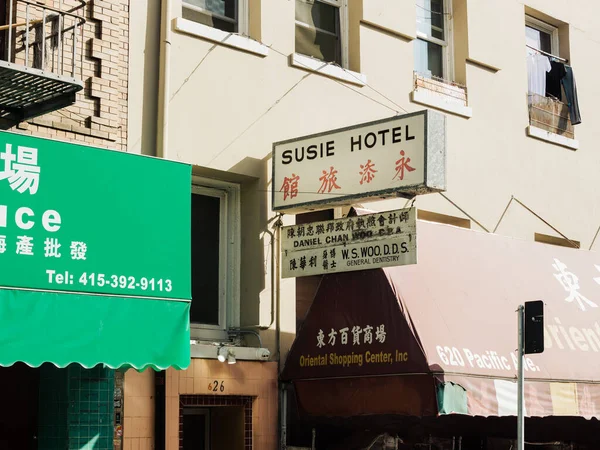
(164, 79)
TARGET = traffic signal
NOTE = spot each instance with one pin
(534, 327)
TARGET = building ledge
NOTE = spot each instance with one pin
(217, 36)
(441, 102)
(483, 65)
(553, 138)
(327, 69)
(378, 27)
(208, 351)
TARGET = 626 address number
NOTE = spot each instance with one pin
(125, 282)
(215, 386)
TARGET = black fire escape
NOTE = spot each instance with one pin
(41, 59)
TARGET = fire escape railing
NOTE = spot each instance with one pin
(39, 68)
(68, 24)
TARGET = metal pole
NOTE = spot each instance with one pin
(60, 38)
(27, 35)
(283, 444)
(81, 49)
(74, 47)
(43, 38)
(520, 382)
(10, 21)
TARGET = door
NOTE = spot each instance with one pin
(196, 429)
(19, 385)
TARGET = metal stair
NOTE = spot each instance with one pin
(33, 79)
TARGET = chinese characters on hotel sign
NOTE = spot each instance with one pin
(403, 155)
(76, 218)
(354, 243)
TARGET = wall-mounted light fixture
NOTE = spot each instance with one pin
(222, 354)
(226, 354)
(230, 358)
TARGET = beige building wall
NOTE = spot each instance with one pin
(253, 379)
(143, 76)
(228, 105)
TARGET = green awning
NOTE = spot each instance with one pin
(65, 328)
(95, 264)
(451, 398)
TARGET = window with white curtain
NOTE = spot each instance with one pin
(226, 15)
(321, 29)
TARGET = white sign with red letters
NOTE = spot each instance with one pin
(403, 155)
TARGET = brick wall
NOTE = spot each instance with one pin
(138, 410)
(99, 117)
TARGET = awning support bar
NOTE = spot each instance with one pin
(520, 381)
(283, 437)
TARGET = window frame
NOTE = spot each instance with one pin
(342, 6)
(229, 257)
(447, 43)
(241, 12)
(547, 28)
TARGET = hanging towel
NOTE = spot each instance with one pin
(537, 66)
(568, 83)
(553, 80)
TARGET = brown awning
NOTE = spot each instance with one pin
(447, 328)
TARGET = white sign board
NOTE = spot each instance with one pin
(403, 155)
(354, 243)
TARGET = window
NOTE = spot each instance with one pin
(434, 83)
(320, 29)
(551, 114)
(541, 36)
(433, 44)
(226, 15)
(215, 259)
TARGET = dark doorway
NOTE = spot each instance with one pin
(196, 429)
(19, 412)
(222, 422)
(159, 410)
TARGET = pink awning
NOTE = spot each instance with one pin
(463, 293)
(451, 320)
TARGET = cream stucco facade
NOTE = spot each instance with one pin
(230, 97)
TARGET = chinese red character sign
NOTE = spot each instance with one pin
(367, 172)
(403, 154)
(290, 186)
(328, 181)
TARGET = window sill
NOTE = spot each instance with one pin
(327, 69)
(439, 101)
(232, 40)
(553, 138)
